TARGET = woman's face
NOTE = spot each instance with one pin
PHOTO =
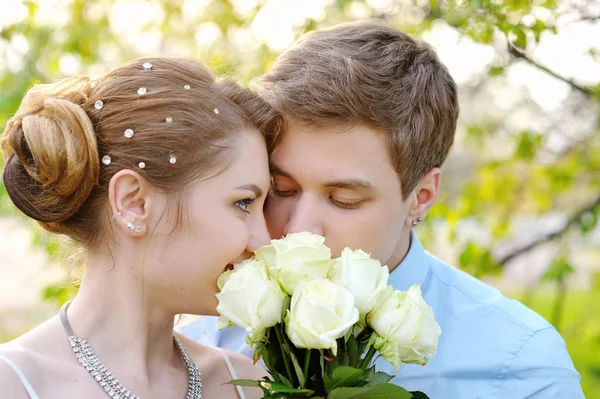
(223, 223)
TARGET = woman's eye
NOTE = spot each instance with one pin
(245, 203)
(346, 205)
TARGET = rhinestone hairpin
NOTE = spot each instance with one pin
(169, 119)
(147, 66)
(93, 85)
(187, 87)
(216, 111)
(141, 91)
(142, 165)
(128, 133)
(106, 160)
(172, 159)
(98, 104)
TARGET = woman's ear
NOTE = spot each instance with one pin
(132, 201)
(424, 196)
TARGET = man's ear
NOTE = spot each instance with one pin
(131, 201)
(423, 197)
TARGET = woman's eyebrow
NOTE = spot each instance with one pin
(251, 187)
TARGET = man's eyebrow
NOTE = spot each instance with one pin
(351, 184)
(251, 187)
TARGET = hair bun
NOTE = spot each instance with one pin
(51, 154)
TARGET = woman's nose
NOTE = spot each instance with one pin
(259, 236)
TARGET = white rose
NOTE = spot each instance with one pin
(405, 327)
(249, 299)
(295, 258)
(362, 276)
(320, 312)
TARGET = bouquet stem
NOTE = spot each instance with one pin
(306, 363)
(286, 361)
(367, 359)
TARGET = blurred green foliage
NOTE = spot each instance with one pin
(494, 190)
(581, 330)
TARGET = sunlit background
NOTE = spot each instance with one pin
(521, 189)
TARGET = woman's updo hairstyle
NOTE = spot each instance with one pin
(168, 119)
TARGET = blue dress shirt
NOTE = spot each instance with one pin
(491, 347)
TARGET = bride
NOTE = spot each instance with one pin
(160, 173)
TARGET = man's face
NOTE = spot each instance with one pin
(339, 182)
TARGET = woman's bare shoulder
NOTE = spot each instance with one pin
(11, 384)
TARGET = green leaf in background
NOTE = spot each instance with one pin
(477, 260)
(527, 145)
(60, 293)
(559, 270)
(496, 70)
(588, 221)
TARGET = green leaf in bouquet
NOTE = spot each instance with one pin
(368, 374)
(343, 376)
(274, 388)
(297, 368)
(271, 354)
(244, 383)
(352, 351)
(378, 378)
(342, 358)
(383, 391)
(288, 350)
(284, 350)
(418, 395)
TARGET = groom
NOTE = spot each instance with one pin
(371, 114)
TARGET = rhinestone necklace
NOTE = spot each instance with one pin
(113, 388)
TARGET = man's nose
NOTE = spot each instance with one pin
(305, 216)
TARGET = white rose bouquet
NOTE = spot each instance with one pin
(318, 322)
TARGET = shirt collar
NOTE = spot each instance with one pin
(414, 267)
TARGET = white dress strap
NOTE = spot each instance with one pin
(231, 371)
(21, 376)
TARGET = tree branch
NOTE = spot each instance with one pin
(591, 18)
(518, 53)
(575, 218)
